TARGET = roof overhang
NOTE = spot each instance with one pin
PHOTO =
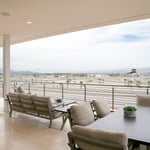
(53, 17)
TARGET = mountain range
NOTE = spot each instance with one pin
(125, 70)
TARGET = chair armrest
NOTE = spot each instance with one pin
(75, 139)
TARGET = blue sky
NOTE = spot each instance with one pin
(122, 46)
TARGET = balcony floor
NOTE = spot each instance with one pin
(22, 132)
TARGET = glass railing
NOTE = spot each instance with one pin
(116, 95)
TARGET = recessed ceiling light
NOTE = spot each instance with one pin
(5, 14)
(29, 22)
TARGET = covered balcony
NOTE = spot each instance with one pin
(22, 21)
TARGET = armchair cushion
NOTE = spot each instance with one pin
(82, 114)
(101, 107)
(143, 100)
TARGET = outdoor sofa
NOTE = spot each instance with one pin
(39, 106)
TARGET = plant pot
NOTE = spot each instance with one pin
(129, 114)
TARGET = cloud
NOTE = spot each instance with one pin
(132, 38)
(107, 48)
(125, 32)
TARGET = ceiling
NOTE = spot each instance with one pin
(52, 17)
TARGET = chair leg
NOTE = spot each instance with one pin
(135, 146)
(147, 147)
(71, 142)
(65, 117)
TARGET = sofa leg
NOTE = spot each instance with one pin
(50, 123)
(10, 113)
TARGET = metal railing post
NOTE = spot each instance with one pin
(29, 88)
(147, 91)
(14, 86)
(85, 92)
(44, 89)
(62, 91)
(112, 99)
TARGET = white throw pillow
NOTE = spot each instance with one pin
(20, 90)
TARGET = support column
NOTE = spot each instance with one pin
(6, 69)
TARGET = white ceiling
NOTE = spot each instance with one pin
(52, 17)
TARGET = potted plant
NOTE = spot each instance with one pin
(130, 111)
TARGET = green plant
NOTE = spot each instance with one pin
(130, 108)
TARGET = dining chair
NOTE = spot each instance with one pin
(84, 138)
(143, 100)
(101, 108)
(81, 114)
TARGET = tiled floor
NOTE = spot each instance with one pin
(22, 132)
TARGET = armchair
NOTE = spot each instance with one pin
(83, 138)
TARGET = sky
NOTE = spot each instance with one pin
(115, 47)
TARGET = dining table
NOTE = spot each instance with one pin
(136, 128)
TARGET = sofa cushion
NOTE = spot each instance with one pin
(82, 114)
(56, 114)
(143, 100)
(14, 98)
(25, 98)
(43, 100)
(101, 107)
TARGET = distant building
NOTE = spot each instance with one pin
(98, 76)
(133, 71)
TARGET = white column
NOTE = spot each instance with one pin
(6, 69)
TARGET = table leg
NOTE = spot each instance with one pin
(65, 117)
